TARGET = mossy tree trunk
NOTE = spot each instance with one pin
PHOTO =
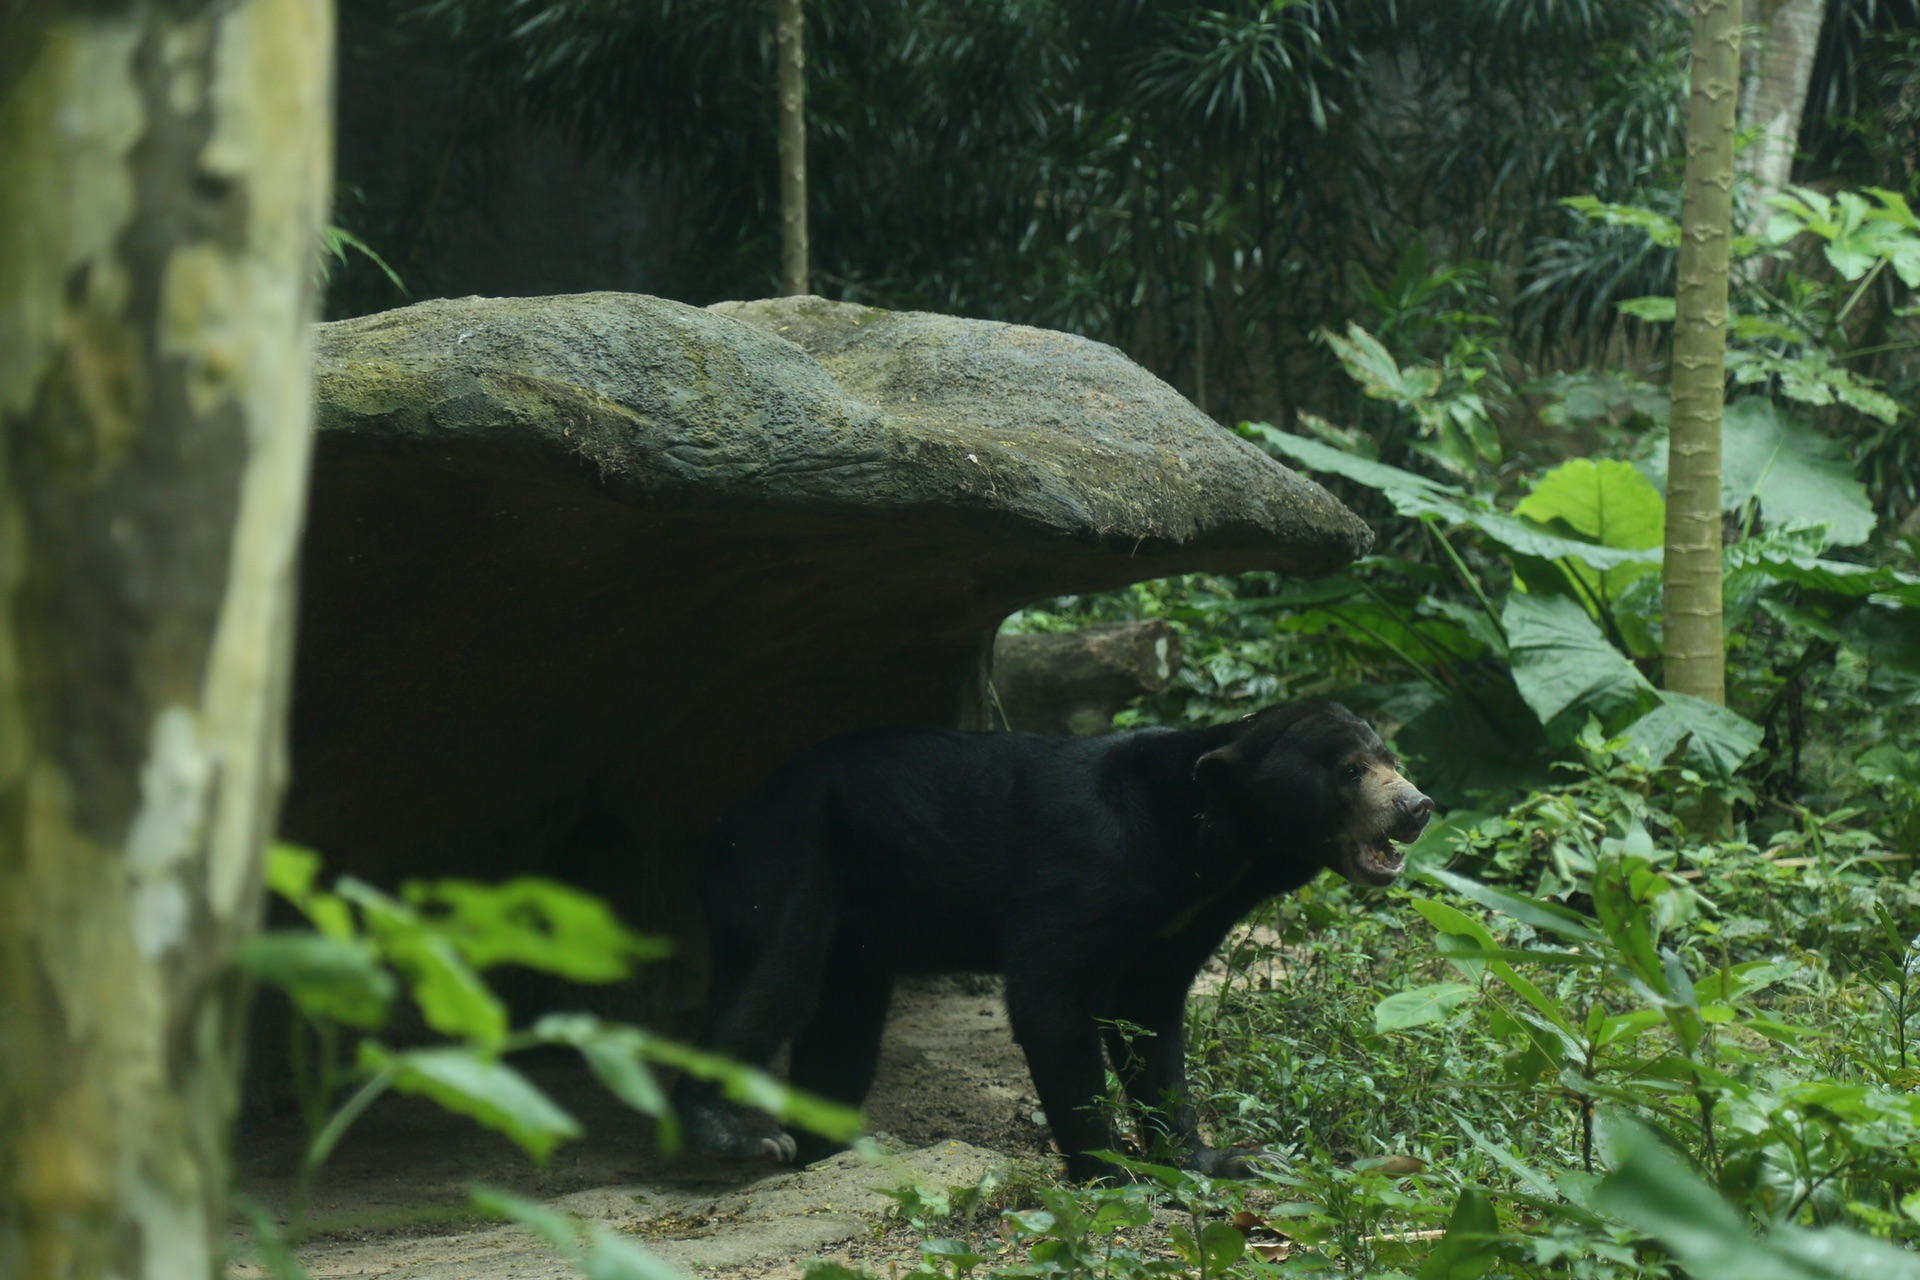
(1696, 646)
(163, 177)
(790, 51)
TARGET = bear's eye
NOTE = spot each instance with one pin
(1353, 772)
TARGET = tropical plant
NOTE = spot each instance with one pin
(363, 949)
(1577, 544)
(1797, 333)
(1645, 1008)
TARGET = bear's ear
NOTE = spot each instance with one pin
(1216, 766)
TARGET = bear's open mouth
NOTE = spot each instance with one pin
(1378, 862)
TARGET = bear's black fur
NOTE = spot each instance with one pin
(1097, 874)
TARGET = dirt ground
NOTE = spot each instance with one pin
(952, 1100)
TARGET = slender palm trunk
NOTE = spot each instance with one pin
(1200, 317)
(1696, 645)
(790, 45)
(163, 178)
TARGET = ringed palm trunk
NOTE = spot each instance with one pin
(163, 173)
(1696, 645)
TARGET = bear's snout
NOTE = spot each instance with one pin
(1412, 809)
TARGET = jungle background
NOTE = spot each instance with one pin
(1649, 1008)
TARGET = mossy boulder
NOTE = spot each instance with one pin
(579, 570)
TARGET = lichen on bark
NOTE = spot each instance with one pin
(163, 176)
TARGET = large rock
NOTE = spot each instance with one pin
(579, 570)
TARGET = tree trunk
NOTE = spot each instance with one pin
(1776, 96)
(163, 178)
(790, 43)
(1074, 681)
(1200, 317)
(1696, 646)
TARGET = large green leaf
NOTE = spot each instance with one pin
(1607, 502)
(617, 1055)
(1416, 496)
(1751, 567)
(293, 872)
(475, 1084)
(1527, 539)
(755, 1088)
(1420, 495)
(333, 979)
(451, 995)
(1547, 917)
(1421, 1005)
(1718, 739)
(1792, 555)
(452, 998)
(1566, 669)
(1798, 475)
(1479, 740)
(535, 922)
(1471, 1245)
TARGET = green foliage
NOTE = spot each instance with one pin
(434, 943)
(1659, 1196)
(1204, 184)
(1800, 334)
(1773, 463)
(472, 1084)
(1567, 670)
(1454, 429)
(1650, 1009)
(1115, 1232)
(1606, 502)
(1569, 633)
(1862, 234)
(1418, 1006)
(334, 243)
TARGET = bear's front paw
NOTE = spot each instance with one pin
(715, 1132)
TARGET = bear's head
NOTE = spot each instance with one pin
(1315, 775)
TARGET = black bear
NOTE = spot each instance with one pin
(1097, 874)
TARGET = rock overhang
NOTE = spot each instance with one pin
(580, 569)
